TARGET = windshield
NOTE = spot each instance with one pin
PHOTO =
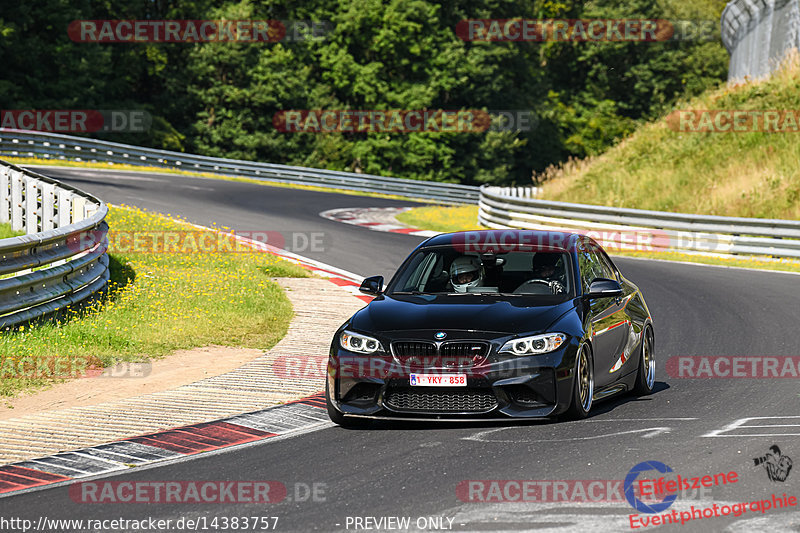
(446, 270)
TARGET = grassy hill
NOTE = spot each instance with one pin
(751, 174)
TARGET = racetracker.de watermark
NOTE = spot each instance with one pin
(733, 367)
(52, 367)
(197, 31)
(205, 242)
(553, 237)
(503, 241)
(366, 367)
(734, 121)
(559, 491)
(77, 120)
(586, 30)
(207, 491)
(402, 121)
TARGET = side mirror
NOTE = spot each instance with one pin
(605, 288)
(372, 286)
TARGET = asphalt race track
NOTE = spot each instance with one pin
(413, 470)
(248, 207)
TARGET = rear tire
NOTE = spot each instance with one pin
(337, 417)
(583, 386)
(646, 374)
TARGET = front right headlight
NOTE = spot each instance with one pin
(355, 342)
(535, 345)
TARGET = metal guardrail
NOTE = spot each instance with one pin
(22, 143)
(635, 229)
(61, 259)
(509, 207)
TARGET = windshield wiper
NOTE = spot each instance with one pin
(473, 294)
(411, 293)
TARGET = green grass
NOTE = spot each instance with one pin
(22, 161)
(444, 219)
(6, 232)
(465, 218)
(157, 303)
(753, 174)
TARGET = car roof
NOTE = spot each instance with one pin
(507, 240)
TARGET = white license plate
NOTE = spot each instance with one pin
(438, 380)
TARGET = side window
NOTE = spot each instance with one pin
(588, 266)
(593, 264)
(609, 272)
(414, 271)
(432, 276)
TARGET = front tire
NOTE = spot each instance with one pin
(583, 387)
(646, 374)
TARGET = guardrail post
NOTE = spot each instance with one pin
(31, 206)
(64, 208)
(48, 206)
(5, 196)
(78, 208)
(17, 221)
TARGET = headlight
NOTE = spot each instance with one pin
(359, 343)
(538, 344)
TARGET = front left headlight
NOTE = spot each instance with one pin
(535, 345)
(355, 342)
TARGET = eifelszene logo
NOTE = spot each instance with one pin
(629, 486)
(666, 487)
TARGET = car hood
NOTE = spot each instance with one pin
(464, 312)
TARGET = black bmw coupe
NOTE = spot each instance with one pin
(493, 325)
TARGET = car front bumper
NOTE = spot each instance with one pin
(375, 386)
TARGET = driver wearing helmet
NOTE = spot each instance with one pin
(544, 266)
(466, 272)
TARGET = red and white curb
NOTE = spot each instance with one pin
(376, 219)
(283, 420)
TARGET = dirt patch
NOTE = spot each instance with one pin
(180, 368)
